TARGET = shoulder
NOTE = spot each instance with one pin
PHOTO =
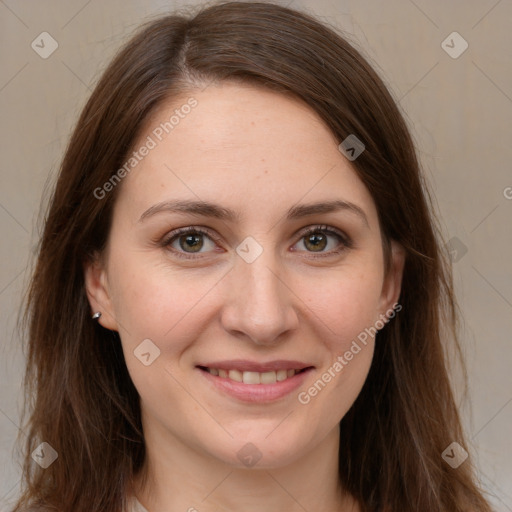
(134, 505)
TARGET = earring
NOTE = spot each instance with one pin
(96, 315)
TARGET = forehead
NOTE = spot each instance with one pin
(241, 145)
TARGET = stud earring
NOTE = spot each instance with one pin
(96, 315)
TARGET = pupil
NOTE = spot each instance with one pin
(193, 240)
(318, 243)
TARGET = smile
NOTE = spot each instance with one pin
(270, 377)
(248, 381)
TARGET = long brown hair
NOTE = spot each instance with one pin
(80, 397)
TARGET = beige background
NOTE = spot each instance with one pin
(458, 108)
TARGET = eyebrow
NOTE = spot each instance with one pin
(207, 209)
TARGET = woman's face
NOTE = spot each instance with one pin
(253, 298)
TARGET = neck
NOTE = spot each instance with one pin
(176, 477)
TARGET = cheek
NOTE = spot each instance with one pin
(160, 303)
(346, 310)
(345, 303)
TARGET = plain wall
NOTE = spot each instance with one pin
(459, 110)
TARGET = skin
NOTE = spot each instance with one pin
(259, 153)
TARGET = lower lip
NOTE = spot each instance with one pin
(256, 393)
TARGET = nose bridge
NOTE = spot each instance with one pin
(260, 303)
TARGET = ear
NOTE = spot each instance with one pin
(392, 284)
(98, 292)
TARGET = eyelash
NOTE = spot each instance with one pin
(346, 243)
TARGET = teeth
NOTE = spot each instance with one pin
(235, 375)
(269, 377)
(254, 377)
(281, 375)
(251, 377)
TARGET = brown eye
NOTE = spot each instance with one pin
(316, 239)
(191, 241)
(185, 242)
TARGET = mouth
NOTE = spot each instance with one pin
(254, 382)
(249, 377)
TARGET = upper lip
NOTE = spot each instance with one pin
(245, 365)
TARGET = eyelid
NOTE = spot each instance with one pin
(189, 229)
(330, 230)
(325, 228)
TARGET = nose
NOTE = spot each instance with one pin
(260, 304)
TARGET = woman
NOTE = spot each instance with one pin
(227, 366)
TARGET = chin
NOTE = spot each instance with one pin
(261, 450)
